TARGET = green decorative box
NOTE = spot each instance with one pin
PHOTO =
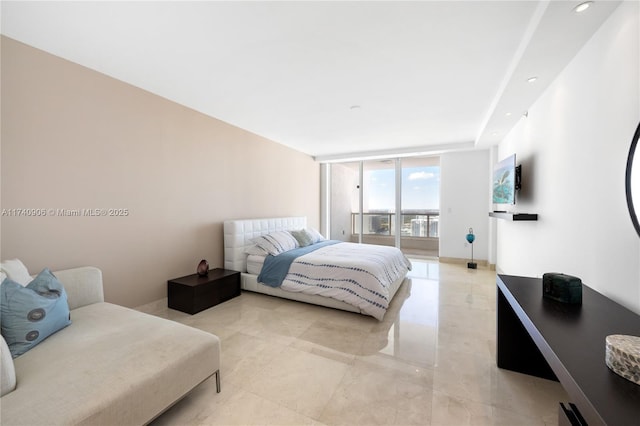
(562, 288)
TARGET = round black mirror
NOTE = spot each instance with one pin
(632, 181)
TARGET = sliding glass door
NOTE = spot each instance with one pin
(378, 203)
(366, 196)
(420, 205)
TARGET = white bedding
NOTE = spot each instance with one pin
(238, 237)
(358, 274)
(254, 264)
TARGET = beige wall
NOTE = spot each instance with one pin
(76, 139)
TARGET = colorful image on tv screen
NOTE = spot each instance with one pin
(504, 182)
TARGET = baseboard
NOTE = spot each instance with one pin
(460, 261)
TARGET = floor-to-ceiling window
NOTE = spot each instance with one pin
(378, 202)
(420, 202)
(365, 198)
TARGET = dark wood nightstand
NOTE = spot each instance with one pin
(193, 293)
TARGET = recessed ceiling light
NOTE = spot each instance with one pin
(582, 6)
(532, 79)
(494, 134)
(508, 114)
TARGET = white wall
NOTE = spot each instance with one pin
(573, 147)
(344, 181)
(464, 204)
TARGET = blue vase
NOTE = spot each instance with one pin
(470, 237)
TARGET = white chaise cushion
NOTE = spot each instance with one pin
(113, 366)
(7, 370)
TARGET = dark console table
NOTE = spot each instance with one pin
(548, 339)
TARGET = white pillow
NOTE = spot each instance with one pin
(255, 250)
(16, 270)
(317, 237)
(3, 276)
(7, 369)
(276, 242)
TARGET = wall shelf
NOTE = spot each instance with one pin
(514, 216)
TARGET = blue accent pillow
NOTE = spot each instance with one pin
(31, 314)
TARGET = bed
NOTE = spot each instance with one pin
(334, 282)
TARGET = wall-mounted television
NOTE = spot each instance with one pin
(506, 181)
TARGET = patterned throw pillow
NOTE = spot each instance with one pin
(276, 242)
(31, 314)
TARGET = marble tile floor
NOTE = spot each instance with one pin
(430, 362)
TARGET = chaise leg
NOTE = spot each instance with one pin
(217, 381)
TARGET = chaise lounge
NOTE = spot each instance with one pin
(111, 365)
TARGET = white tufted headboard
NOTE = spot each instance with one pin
(238, 233)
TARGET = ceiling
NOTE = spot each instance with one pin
(335, 80)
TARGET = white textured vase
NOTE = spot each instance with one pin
(623, 356)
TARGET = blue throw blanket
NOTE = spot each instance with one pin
(276, 268)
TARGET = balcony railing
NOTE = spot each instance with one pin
(423, 224)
